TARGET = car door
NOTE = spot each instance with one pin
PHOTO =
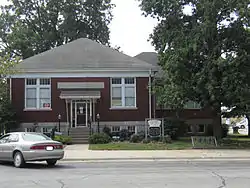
(10, 146)
(3, 144)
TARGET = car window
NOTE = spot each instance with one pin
(13, 138)
(4, 139)
(35, 137)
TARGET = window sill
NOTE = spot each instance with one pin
(39, 109)
(123, 108)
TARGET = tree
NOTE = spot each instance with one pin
(204, 54)
(8, 119)
(29, 27)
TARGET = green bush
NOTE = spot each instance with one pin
(135, 138)
(63, 139)
(124, 134)
(172, 128)
(166, 139)
(107, 131)
(225, 129)
(99, 138)
(146, 140)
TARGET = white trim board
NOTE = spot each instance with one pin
(87, 74)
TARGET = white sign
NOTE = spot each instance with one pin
(154, 123)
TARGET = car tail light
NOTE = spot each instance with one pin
(58, 146)
(43, 147)
(38, 147)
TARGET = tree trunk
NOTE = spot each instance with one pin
(217, 128)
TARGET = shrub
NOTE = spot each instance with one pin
(107, 131)
(225, 129)
(166, 139)
(135, 138)
(123, 134)
(172, 128)
(63, 139)
(99, 138)
(146, 140)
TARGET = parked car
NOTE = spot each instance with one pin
(22, 147)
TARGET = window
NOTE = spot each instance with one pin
(123, 92)
(192, 105)
(29, 130)
(14, 138)
(131, 129)
(38, 93)
(34, 137)
(201, 128)
(46, 129)
(4, 139)
(115, 129)
(190, 129)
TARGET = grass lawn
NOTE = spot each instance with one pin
(177, 145)
(231, 142)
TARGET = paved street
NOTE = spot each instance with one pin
(136, 174)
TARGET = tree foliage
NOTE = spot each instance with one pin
(8, 119)
(30, 27)
(204, 53)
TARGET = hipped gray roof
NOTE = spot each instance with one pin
(151, 58)
(82, 54)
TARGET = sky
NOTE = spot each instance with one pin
(129, 29)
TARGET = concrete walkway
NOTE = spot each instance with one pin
(81, 152)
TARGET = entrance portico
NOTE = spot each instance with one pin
(80, 99)
(81, 112)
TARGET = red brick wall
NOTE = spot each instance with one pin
(103, 106)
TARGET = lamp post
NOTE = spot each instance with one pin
(59, 122)
(98, 122)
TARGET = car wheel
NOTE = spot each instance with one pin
(18, 160)
(51, 162)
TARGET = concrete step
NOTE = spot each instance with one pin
(79, 133)
(80, 140)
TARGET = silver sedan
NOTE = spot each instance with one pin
(22, 147)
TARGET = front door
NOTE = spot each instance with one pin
(81, 112)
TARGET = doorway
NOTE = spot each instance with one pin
(81, 113)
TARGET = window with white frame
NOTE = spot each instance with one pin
(37, 93)
(123, 92)
(131, 129)
(201, 128)
(192, 105)
(115, 129)
(190, 129)
(28, 129)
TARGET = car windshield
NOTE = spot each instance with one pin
(35, 137)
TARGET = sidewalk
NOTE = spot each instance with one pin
(81, 152)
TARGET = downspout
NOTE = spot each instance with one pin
(149, 94)
(10, 88)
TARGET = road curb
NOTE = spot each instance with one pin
(157, 158)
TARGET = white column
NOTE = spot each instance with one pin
(75, 114)
(94, 110)
(86, 109)
(71, 113)
(90, 108)
(67, 112)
